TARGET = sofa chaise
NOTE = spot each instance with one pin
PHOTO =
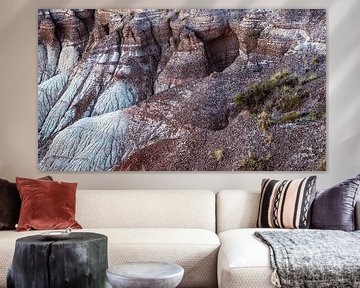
(177, 226)
(243, 260)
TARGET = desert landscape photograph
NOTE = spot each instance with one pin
(181, 90)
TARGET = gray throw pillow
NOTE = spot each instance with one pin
(334, 208)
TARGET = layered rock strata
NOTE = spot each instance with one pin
(135, 89)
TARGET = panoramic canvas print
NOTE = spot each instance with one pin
(181, 90)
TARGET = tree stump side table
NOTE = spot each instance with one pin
(78, 261)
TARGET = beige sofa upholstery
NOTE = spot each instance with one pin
(243, 260)
(236, 209)
(175, 226)
(146, 209)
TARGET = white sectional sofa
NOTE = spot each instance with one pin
(177, 226)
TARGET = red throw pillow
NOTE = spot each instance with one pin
(46, 204)
(10, 204)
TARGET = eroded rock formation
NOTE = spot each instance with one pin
(123, 89)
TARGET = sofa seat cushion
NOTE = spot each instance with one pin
(194, 249)
(244, 261)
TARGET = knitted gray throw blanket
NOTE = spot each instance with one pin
(313, 258)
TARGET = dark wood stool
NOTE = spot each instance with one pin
(78, 261)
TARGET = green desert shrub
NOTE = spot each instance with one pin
(323, 165)
(218, 154)
(253, 163)
(238, 99)
(264, 121)
(286, 89)
(308, 78)
(290, 117)
(289, 103)
(314, 61)
(255, 96)
(311, 116)
(300, 116)
(270, 137)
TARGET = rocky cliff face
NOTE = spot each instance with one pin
(191, 89)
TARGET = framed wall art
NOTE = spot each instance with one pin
(181, 90)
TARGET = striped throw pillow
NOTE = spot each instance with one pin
(286, 204)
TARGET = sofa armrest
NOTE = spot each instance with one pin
(357, 215)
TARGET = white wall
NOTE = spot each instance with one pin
(18, 95)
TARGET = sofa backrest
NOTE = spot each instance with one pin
(146, 209)
(239, 209)
(236, 209)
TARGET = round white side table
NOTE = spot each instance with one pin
(145, 275)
